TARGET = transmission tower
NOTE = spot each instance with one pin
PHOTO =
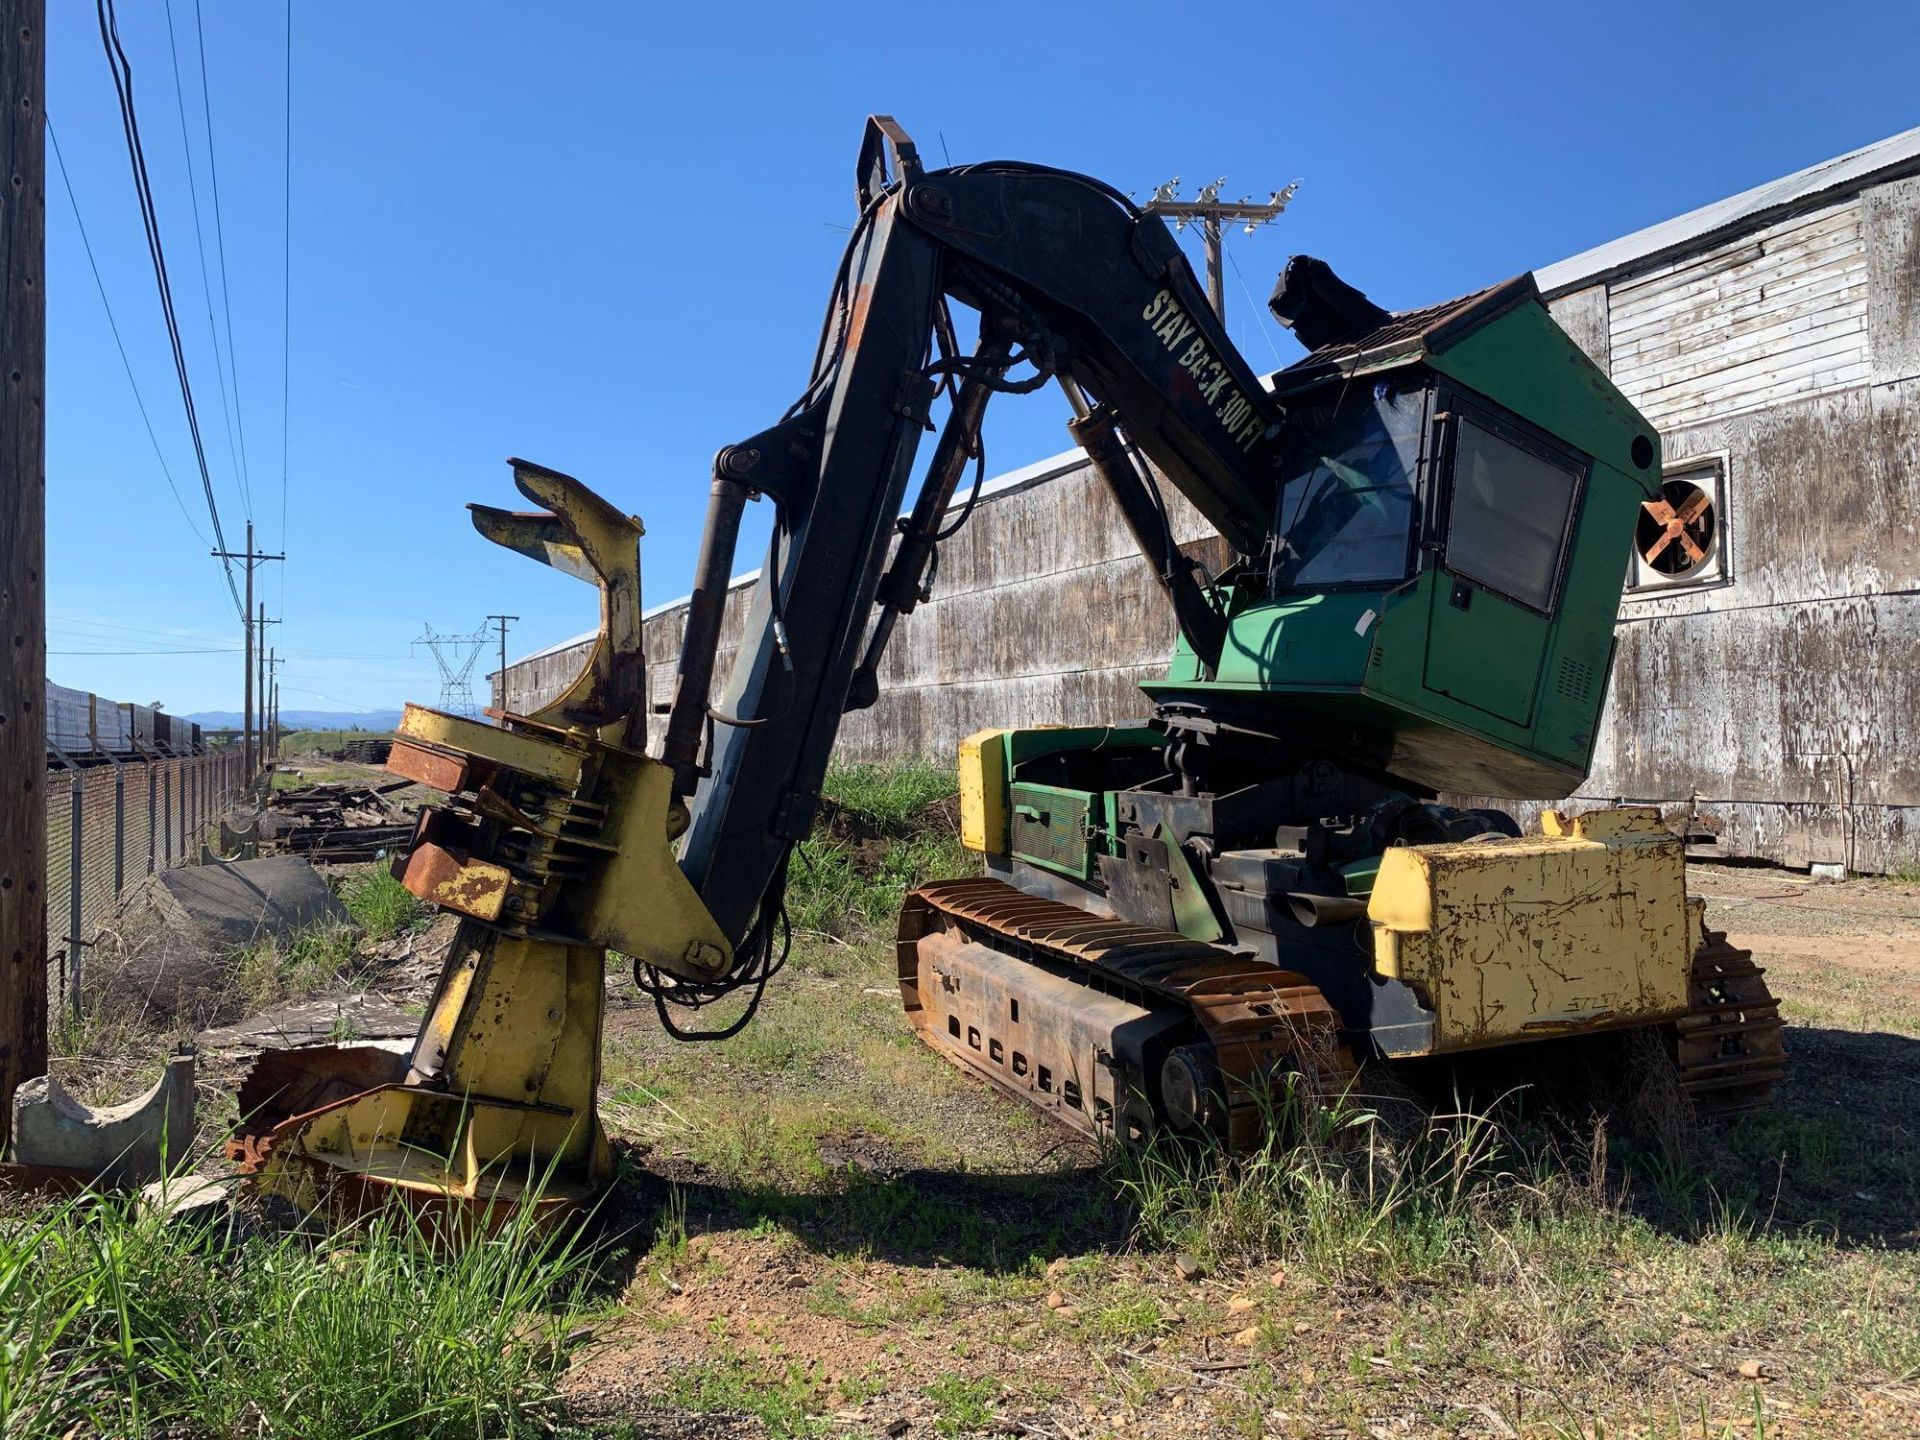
(455, 655)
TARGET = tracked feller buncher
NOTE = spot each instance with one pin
(1428, 519)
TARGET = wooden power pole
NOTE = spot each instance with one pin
(23, 550)
(1208, 210)
(273, 703)
(252, 557)
(260, 655)
(500, 692)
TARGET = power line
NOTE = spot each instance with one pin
(1266, 321)
(118, 343)
(286, 295)
(69, 621)
(122, 71)
(200, 245)
(220, 238)
(228, 651)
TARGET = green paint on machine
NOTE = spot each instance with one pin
(1453, 527)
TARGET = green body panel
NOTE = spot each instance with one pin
(1530, 366)
(1021, 746)
(1495, 698)
(1058, 827)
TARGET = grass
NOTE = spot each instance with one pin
(884, 830)
(114, 1323)
(843, 1219)
(276, 969)
(118, 1044)
(306, 742)
(964, 1406)
(784, 1396)
(1331, 1188)
(381, 906)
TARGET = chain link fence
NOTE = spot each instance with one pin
(113, 821)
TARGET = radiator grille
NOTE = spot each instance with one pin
(1050, 826)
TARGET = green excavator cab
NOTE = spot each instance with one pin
(1447, 553)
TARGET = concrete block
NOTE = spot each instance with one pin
(119, 1144)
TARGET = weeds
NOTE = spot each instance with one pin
(1333, 1187)
(964, 1406)
(381, 906)
(272, 969)
(113, 1322)
(786, 1398)
(883, 830)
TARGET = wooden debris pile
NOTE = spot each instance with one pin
(334, 823)
(364, 752)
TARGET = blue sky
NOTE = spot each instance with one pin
(601, 236)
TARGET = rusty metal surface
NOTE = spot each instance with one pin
(436, 768)
(286, 1083)
(1085, 1058)
(450, 1205)
(472, 887)
(583, 535)
(1730, 1047)
(1262, 1022)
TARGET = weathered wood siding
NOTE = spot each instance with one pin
(1772, 316)
(1781, 706)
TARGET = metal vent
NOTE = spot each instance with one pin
(1576, 681)
(1050, 826)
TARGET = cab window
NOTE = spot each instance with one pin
(1346, 511)
(1507, 521)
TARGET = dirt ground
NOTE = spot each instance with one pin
(836, 1233)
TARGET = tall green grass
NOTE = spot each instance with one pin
(115, 1323)
(1336, 1188)
(883, 830)
(381, 906)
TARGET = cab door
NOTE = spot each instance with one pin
(1510, 499)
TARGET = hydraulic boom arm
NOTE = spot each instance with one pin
(1069, 277)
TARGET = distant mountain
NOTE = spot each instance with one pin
(378, 720)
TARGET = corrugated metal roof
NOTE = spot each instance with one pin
(1746, 211)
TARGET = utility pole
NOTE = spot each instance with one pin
(260, 652)
(500, 696)
(1208, 209)
(252, 557)
(23, 550)
(274, 662)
